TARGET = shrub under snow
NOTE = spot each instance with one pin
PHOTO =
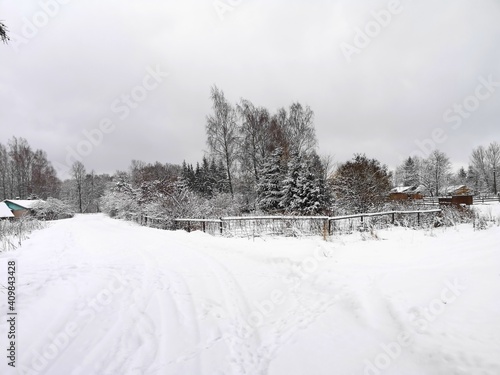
(53, 209)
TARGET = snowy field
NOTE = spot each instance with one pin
(103, 296)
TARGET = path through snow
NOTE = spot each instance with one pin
(103, 296)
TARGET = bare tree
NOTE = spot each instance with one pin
(94, 188)
(479, 166)
(21, 157)
(24, 173)
(293, 130)
(5, 185)
(300, 129)
(493, 158)
(78, 174)
(3, 33)
(328, 163)
(137, 172)
(360, 185)
(254, 136)
(485, 162)
(436, 171)
(44, 181)
(222, 133)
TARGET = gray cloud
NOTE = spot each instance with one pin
(393, 93)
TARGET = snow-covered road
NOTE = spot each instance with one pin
(103, 296)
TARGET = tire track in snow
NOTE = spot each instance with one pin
(120, 335)
(175, 301)
(112, 329)
(151, 339)
(244, 358)
(310, 306)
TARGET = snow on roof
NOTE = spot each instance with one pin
(404, 189)
(5, 211)
(420, 189)
(25, 202)
(451, 189)
(401, 189)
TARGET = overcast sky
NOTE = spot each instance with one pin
(380, 76)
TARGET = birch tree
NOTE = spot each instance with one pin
(300, 129)
(254, 132)
(493, 159)
(222, 133)
(21, 158)
(485, 162)
(436, 171)
(78, 174)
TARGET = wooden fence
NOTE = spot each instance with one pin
(434, 201)
(304, 225)
(483, 200)
(150, 221)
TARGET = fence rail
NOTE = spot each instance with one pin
(434, 201)
(302, 225)
(483, 200)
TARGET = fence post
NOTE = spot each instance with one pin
(329, 227)
(220, 226)
(418, 218)
(393, 218)
(189, 227)
(203, 226)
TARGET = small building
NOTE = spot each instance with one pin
(21, 208)
(456, 200)
(456, 190)
(402, 193)
(5, 212)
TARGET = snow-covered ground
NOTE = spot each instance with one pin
(490, 210)
(103, 296)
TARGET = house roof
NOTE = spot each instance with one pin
(5, 210)
(402, 189)
(25, 203)
(409, 189)
(420, 189)
(451, 189)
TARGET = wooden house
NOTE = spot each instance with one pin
(457, 190)
(5, 212)
(456, 200)
(402, 193)
(20, 208)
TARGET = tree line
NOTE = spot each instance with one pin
(258, 161)
(25, 172)
(435, 172)
(269, 158)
